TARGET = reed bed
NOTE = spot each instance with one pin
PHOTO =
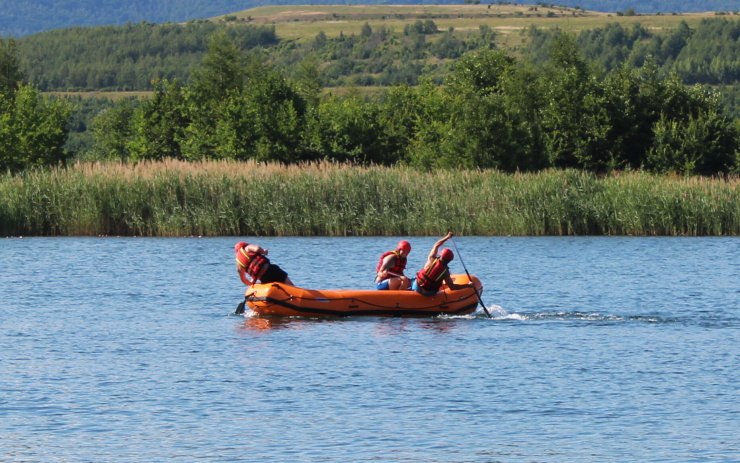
(172, 198)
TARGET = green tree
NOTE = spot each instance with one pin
(434, 123)
(237, 128)
(308, 80)
(350, 130)
(158, 124)
(366, 30)
(633, 102)
(10, 73)
(33, 129)
(522, 148)
(263, 121)
(113, 131)
(400, 116)
(222, 77)
(481, 71)
(573, 117)
(491, 122)
(701, 145)
(221, 71)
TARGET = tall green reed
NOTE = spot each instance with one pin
(173, 198)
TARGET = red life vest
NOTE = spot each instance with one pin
(251, 262)
(398, 267)
(431, 279)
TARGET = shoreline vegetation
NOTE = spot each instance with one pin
(224, 198)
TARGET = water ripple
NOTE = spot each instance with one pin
(598, 349)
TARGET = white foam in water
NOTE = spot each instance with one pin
(513, 316)
(458, 317)
(499, 313)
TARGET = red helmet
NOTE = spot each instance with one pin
(404, 245)
(446, 255)
(239, 245)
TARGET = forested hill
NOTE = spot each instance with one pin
(19, 18)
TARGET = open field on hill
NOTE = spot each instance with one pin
(115, 96)
(304, 22)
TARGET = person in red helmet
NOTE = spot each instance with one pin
(252, 262)
(389, 271)
(436, 271)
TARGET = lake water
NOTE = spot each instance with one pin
(600, 350)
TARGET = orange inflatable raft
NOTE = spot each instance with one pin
(279, 299)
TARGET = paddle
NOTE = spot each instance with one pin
(480, 299)
(240, 307)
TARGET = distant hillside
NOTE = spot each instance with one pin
(19, 18)
(654, 6)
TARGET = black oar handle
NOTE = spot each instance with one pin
(480, 299)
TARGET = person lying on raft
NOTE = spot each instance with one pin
(389, 271)
(436, 271)
(252, 262)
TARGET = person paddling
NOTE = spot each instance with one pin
(252, 262)
(390, 268)
(436, 271)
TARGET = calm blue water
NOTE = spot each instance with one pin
(600, 350)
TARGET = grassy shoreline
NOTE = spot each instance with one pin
(173, 198)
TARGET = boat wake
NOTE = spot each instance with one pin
(497, 313)
(500, 314)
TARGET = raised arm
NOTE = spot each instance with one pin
(435, 248)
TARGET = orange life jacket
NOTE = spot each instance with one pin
(251, 262)
(398, 267)
(431, 279)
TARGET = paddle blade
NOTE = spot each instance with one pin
(240, 308)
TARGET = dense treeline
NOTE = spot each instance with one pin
(175, 198)
(492, 112)
(709, 54)
(381, 57)
(126, 57)
(712, 55)
(130, 57)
